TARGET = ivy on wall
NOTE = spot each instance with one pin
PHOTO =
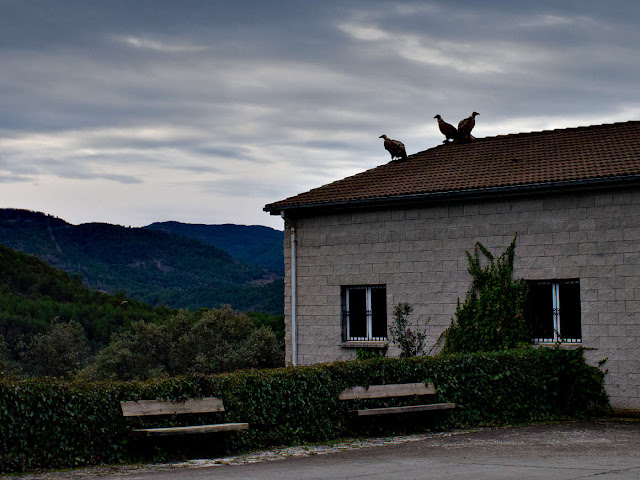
(492, 315)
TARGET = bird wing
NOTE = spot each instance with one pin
(447, 129)
(388, 144)
(398, 144)
(393, 145)
(466, 125)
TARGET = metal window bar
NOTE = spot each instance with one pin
(551, 340)
(369, 317)
(348, 314)
(368, 314)
(555, 295)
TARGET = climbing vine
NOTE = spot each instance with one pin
(492, 315)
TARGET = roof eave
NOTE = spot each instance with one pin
(469, 194)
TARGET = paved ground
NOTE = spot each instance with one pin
(602, 450)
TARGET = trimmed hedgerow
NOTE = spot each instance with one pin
(53, 424)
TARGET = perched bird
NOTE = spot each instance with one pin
(395, 148)
(449, 131)
(465, 126)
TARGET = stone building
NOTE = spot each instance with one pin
(357, 247)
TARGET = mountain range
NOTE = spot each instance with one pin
(254, 244)
(174, 264)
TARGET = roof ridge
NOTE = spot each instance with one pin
(522, 134)
(556, 130)
(546, 157)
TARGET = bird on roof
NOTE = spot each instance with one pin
(449, 131)
(465, 126)
(394, 147)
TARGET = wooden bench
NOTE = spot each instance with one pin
(394, 390)
(167, 407)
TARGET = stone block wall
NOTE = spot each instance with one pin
(419, 254)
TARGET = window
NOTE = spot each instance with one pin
(553, 311)
(364, 316)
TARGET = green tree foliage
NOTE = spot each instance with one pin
(8, 368)
(145, 341)
(204, 342)
(254, 244)
(152, 266)
(274, 322)
(60, 352)
(410, 342)
(32, 293)
(492, 316)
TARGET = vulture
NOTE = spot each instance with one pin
(449, 131)
(394, 147)
(465, 126)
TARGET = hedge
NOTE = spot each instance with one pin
(47, 423)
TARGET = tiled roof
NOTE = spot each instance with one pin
(526, 160)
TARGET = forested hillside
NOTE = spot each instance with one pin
(51, 324)
(32, 293)
(253, 244)
(153, 266)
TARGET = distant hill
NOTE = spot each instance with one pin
(32, 293)
(147, 264)
(253, 244)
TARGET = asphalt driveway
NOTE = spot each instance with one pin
(602, 450)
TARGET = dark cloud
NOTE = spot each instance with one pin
(272, 98)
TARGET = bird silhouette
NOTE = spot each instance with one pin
(465, 126)
(394, 147)
(449, 131)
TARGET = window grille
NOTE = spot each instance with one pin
(553, 311)
(364, 313)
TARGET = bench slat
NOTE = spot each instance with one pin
(220, 427)
(168, 407)
(407, 409)
(391, 390)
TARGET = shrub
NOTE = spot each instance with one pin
(410, 342)
(369, 353)
(492, 316)
(7, 366)
(60, 352)
(53, 424)
(211, 341)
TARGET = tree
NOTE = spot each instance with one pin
(492, 316)
(8, 367)
(208, 341)
(60, 352)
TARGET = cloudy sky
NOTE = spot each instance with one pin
(203, 111)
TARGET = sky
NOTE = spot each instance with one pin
(203, 111)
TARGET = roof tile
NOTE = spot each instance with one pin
(546, 157)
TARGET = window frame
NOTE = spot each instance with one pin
(556, 311)
(369, 314)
